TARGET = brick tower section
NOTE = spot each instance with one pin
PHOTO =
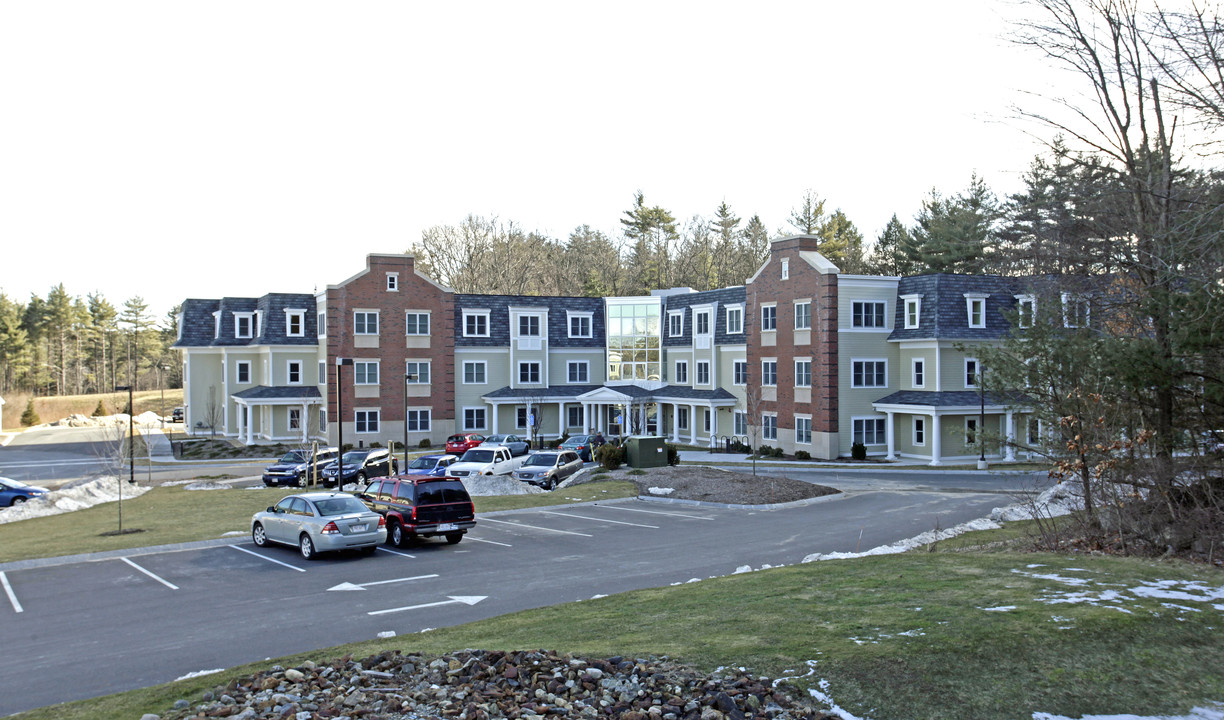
(807, 276)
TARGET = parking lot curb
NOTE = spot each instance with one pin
(738, 506)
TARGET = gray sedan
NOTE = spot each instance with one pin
(320, 522)
(547, 469)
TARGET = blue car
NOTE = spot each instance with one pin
(434, 465)
(15, 492)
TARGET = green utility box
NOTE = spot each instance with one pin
(646, 452)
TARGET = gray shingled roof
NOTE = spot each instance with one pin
(667, 392)
(944, 312)
(955, 398)
(549, 393)
(722, 297)
(279, 392)
(199, 325)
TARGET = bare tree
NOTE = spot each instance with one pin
(214, 412)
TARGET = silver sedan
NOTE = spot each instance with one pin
(320, 522)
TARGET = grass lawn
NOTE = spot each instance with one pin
(920, 635)
(171, 514)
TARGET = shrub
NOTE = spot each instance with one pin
(425, 443)
(803, 455)
(777, 452)
(673, 454)
(739, 447)
(858, 451)
(345, 448)
(29, 417)
(610, 456)
(764, 451)
(99, 411)
(375, 444)
(563, 438)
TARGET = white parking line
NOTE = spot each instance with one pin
(393, 552)
(655, 512)
(172, 586)
(584, 517)
(262, 557)
(535, 527)
(8, 589)
(491, 542)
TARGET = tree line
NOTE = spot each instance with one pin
(63, 344)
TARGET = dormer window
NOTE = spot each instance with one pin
(392, 282)
(295, 323)
(913, 310)
(975, 304)
(785, 268)
(1075, 311)
(1026, 308)
(244, 325)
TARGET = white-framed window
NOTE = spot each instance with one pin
(1033, 431)
(920, 431)
(365, 372)
(1026, 310)
(975, 306)
(295, 323)
(868, 314)
(769, 426)
(520, 417)
(416, 372)
(579, 324)
(972, 371)
(869, 373)
(365, 322)
(682, 418)
(295, 418)
(242, 372)
(578, 371)
(769, 317)
(803, 315)
(971, 430)
(739, 422)
(803, 429)
(474, 418)
(703, 372)
(868, 431)
(681, 372)
(913, 310)
(574, 416)
(735, 319)
(769, 372)
(701, 322)
(322, 372)
(1075, 311)
(474, 372)
(293, 373)
(739, 372)
(919, 372)
(418, 420)
(675, 323)
(244, 324)
(392, 282)
(529, 373)
(416, 322)
(803, 373)
(366, 420)
(785, 268)
(475, 323)
(529, 326)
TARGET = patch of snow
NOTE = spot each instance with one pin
(1194, 591)
(1057, 578)
(73, 496)
(485, 485)
(925, 538)
(661, 491)
(386, 634)
(206, 485)
(199, 673)
(1001, 608)
(1215, 712)
(742, 569)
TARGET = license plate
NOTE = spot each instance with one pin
(358, 528)
(447, 526)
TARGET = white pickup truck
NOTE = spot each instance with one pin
(486, 461)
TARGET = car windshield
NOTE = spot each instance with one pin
(293, 457)
(340, 505)
(478, 456)
(13, 483)
(422, 463)
(542, 459)
(355, 456)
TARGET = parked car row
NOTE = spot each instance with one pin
(299, 467)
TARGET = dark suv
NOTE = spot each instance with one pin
(418, 506)
(297, 467)
(360, 465)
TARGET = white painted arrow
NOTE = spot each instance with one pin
(465, 599)
(363, 586)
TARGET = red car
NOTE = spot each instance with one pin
(460, 444)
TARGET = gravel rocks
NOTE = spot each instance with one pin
(486, 685)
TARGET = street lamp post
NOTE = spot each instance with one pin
(340, 363)
(408, 377)
(981, 438)
(162, 386)
(131, 449)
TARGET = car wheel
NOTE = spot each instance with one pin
(307, 548)
(360, 479)
(259, 536)
(17, 501)
(454, 538)
(396, 535)
(552, 483)
(302, 480)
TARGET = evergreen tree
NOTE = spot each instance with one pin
(809, 216)
(135, 316)
(30, 416)
(888, 254)
(14, 349)
(841, 242)
(726, 232)
(651, 232)
(954, 235)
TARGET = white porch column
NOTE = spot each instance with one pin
(692, 424)
(304, 421)
(675, 423)
(935, 438)
(890, 435)
(493, 425)
(241, 426)
(1010, 453)
(586, 419)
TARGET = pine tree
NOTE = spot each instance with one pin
(30, 416)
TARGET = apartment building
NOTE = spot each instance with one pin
(800, 357)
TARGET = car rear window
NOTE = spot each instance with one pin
(403, 491)
(339, 506)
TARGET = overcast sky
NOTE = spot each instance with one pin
(209, 149)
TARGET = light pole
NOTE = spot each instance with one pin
(408, 377)
(131, 450)
(981, 438)
(340, 363)
(162, 386)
